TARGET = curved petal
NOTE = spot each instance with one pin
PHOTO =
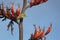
(49, 29)
(12, 9)
(18, 10)
(42, 32)
(37, 34)
(5, 15)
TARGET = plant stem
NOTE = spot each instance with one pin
(21, 21)
(21, 30)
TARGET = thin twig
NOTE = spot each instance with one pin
(24, 6)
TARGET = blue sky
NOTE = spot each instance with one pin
(42, 15)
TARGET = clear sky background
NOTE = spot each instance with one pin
(42, 15)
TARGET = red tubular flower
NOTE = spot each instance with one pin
(5, 15)
(32, 2)
(35, 29)
(12, 9)
(49, 29)
(45, 0)
(9, 15)
(37, 32)
(42, 33)
(35, 2)
(18, 10)
(8, 12)
(38, 2)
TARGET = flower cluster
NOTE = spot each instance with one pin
(10, 13)
(40, 33)
(36, 2)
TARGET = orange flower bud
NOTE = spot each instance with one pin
(12, 9)
(18, 10)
